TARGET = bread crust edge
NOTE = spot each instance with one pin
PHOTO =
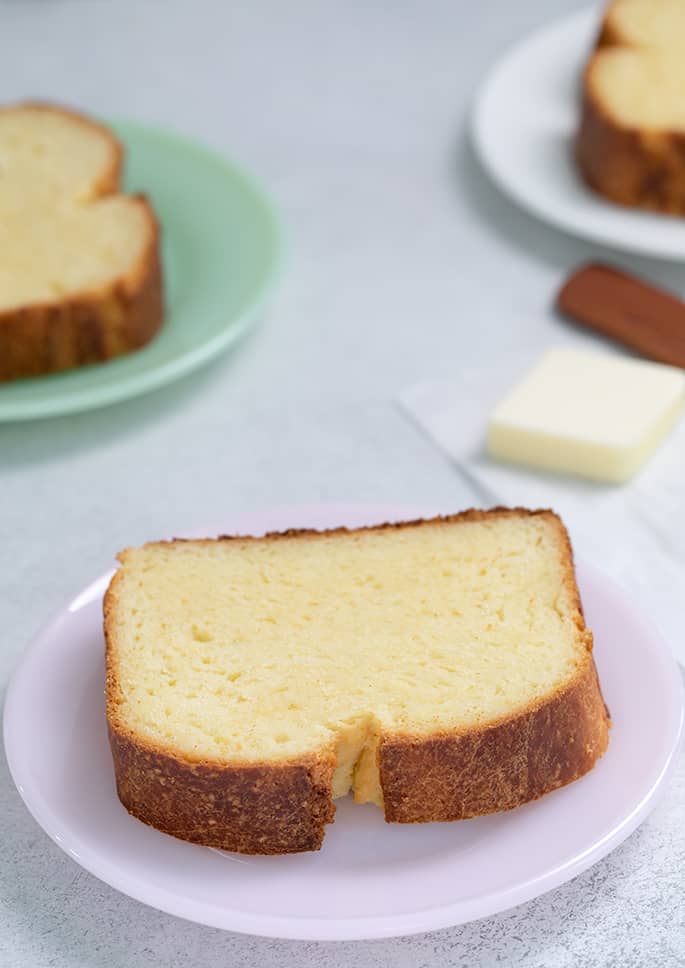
(91, 326)
(284, 806)
(629, 166)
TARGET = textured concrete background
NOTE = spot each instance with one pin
(403, 264)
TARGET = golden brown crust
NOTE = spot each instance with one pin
(284, 807)
(270, 808)
(472, 514)
(89, 326)
(643, 169)
(507, 763)
(610, 34)
(628, 165)
(454, 777)
(262, 809)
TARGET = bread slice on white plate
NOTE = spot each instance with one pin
(80, 275)
(440, 669)
(630, 145)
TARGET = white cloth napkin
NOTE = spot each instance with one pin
(635, 532)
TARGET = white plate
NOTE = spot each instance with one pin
(523, 126)
(370, 879)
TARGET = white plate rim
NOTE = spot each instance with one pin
(316, 928)
(626, 235)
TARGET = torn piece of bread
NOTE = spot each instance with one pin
(630, 145)
(80, 275)
(440, 669)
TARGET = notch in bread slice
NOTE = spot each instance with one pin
(80, 276)
(631, 142)
(440, 669)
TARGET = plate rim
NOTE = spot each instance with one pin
(622, 241)
(128, 387)
(326, 928)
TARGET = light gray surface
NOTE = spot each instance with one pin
(403, 264)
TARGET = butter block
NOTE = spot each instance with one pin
(590, 414)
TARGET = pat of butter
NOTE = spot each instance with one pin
(584, 413)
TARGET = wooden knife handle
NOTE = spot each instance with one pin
(627, 310)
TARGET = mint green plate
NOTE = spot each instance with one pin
(221, 249)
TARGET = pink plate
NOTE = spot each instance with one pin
(370, 879)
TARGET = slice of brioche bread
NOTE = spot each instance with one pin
(630, 145)
(80, 277)
(440, 669)
(644, 23)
